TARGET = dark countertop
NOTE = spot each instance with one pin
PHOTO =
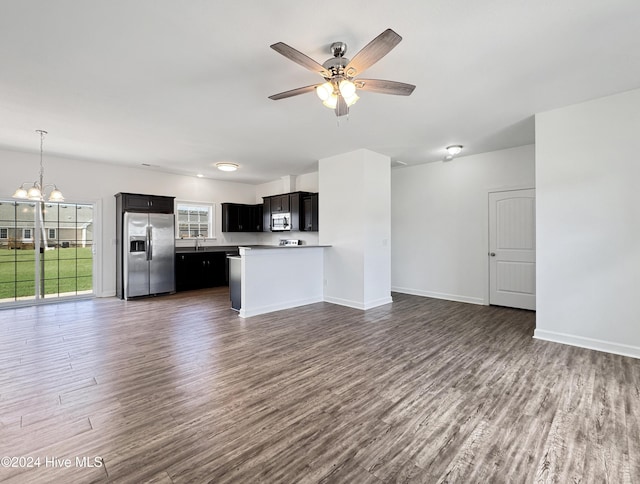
(281, 246)
(235, 248)
(208, 248)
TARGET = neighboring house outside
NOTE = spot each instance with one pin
(65, 225)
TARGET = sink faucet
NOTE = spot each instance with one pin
(200, 246)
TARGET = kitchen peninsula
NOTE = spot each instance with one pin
(272, 278)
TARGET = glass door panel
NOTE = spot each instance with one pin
(63, 232)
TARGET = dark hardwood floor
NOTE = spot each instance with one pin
(178, 389)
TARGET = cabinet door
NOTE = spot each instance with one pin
(218, 268)
(135, 203)
(276, 204)
(132, 202)
(161, 204)
(245, 221)
(310, 210)
(295, 209)
(284, 203)
(280, 204)
(188, 271)
(256, 218)
(230, 217)
(266, 215)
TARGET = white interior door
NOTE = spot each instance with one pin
(512, 249)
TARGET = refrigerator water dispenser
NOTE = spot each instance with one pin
(137, 244)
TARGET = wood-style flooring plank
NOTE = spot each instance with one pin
(178, 389)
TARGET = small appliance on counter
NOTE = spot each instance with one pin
(290, 242)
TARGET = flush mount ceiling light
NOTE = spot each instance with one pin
(226, 166)
(200, 175)
(338, 92)
(452, 151)
(37, 191)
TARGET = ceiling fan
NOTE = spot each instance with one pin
(338, 92)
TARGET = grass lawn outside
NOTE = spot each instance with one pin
(68, 270)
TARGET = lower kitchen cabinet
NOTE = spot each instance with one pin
(198, 270)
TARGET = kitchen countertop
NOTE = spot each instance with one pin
(236, 248)
(207, 248)
(281, 246)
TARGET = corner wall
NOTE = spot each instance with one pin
(439, 222)
(354, 218)
(588, 230)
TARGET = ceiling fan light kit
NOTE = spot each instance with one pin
(339, 91)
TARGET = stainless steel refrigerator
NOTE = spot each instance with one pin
(149, 254)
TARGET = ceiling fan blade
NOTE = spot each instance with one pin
(293, 92)
(341, 107)
(373, 52)
(385, 87)
(299, 58)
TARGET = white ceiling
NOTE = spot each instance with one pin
(181, 85)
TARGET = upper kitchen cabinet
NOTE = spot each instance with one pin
(310, 210)
(266, 215)
(135, 202)
(238, 217)
(280, 203)
(302, 208)
(304, 211)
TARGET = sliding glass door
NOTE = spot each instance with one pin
(46, 250)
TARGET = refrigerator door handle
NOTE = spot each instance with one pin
(149, 243)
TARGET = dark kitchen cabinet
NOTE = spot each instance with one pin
(295, 208)
(198, 270)
(304, 211)
(237, 217)
(310, 210)
(266, 214)
(302, 207)
(280, 204)
(135, 202)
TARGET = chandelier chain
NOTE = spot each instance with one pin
(42, 133)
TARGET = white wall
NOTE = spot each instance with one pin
(439, 222)
(83, 181)
(588, 229)
(354, 218)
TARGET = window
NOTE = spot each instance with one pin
(194, 220)
(64, 267)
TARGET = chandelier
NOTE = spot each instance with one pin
(38, 190)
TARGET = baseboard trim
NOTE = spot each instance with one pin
(244, 313)
(357, 304)
(588, 343)
(439, 295)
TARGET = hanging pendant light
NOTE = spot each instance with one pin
(37, 191)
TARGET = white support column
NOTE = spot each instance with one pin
(355, 219)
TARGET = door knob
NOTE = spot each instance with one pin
(492, 254)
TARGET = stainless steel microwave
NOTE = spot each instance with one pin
(280, 222)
